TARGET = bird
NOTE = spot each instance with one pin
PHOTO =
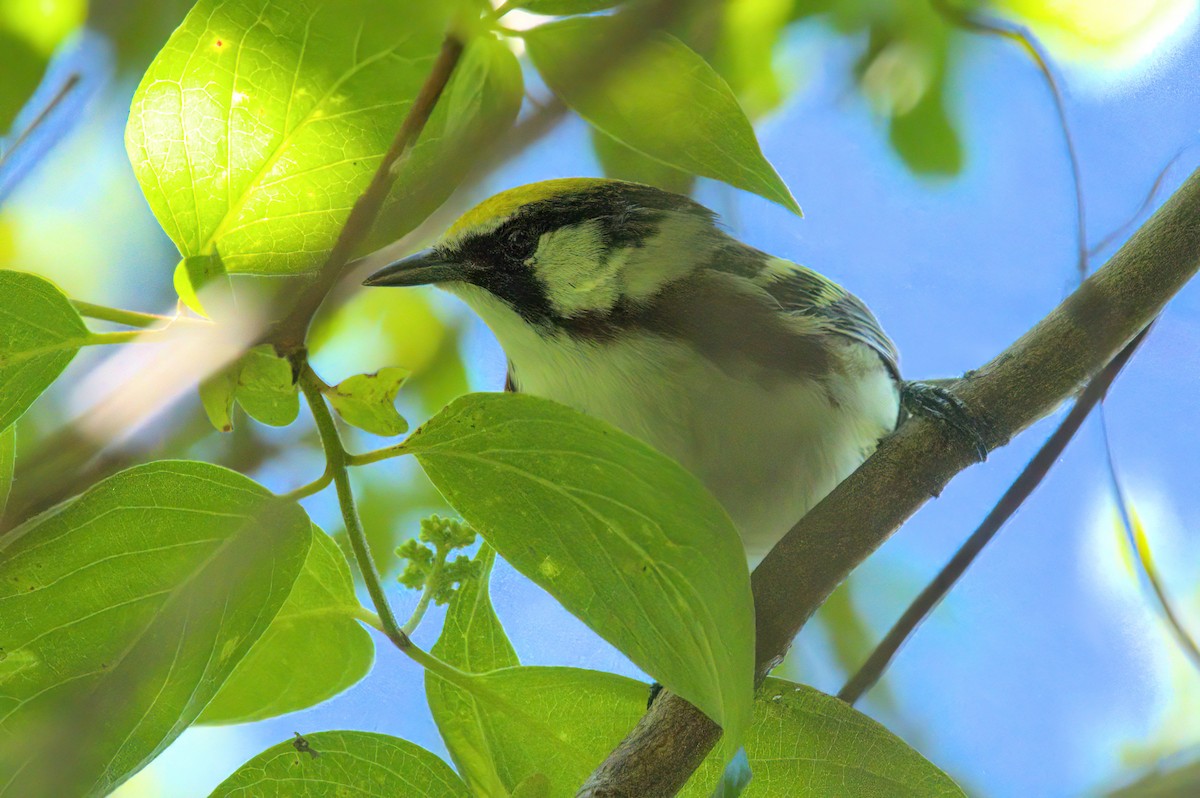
(769, 382)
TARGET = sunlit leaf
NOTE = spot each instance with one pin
(611, 528)
(265, 389)
(347, 764)
(8, 457)
(39, 335)
(533, 786)
(623, 163)
(367, 401)
(199, 273)
(30, 30)
(313, 650)
(123, 611)
(686, 116)
(475, 110)
(472, 640)
(258, 125)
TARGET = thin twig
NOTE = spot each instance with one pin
(68, 86)
(973, 21)
(1028, 480)
(130, 318)
(289, 334)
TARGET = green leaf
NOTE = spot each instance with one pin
(124, 610)
(534, 786)
(806, 743)
(265, 389)
(472, 640)
(1164, 781)
(476, 109)
(622, 536)
(216, 394)
(348, 764)
(367, 401)
(622, 163)
(39, 335)
(196, 274)
(8, 457)
(802, 743)
(259, 124)
(562, 8)
(750, 32)
(926, 139)
(313, 650)
(686, 116)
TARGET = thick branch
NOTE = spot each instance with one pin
(1024, 383)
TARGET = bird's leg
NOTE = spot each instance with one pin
(933, 400)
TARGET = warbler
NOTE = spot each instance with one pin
(766, 380)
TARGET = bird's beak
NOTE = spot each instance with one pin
(420, 268)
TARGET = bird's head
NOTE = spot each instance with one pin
(565, 255)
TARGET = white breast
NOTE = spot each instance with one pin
(767, 454)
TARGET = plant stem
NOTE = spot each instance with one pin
(431, 584)
(289, 335)
(335, 465)
(130, 318)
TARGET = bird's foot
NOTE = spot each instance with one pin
(936, 402)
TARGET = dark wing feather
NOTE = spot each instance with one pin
(803, 292)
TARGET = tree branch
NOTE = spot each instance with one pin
(1021, 385)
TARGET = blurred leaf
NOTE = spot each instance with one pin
(367, 401)
(472, 640)
(8, 457)
(348, 764)
(313, 649)
(610, 528)
(622, 163)
(925, 137)
(216, 394)
(849, 635)
(123, 611)
(562, 8)
(265, 389)
(686, 116)
(475, 111)
(39, 335)
(745, 53)
(257, 126)
(1179, 782)
(30, 31)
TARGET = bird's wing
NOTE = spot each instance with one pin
(802, 292)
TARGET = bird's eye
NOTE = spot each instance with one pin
(518, 243)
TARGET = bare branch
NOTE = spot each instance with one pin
(1021, 385)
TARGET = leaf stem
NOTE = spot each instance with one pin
(130, 318)
(127, 337)
(375, 455)
(316, 486)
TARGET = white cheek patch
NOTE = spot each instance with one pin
(576, 270)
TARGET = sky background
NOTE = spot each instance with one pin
(1046, 672)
